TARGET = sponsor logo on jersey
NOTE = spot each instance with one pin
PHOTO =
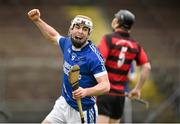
(66, 67)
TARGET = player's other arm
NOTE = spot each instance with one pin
(145, 70)
(102, 87)
(144, 73)
(48, 32)
(143, 62)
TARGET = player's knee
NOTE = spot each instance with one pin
(45, 122)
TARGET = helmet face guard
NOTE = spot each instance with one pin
(84, 20)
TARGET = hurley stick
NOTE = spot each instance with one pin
(142, 101)
(139, 100)
(73, 79)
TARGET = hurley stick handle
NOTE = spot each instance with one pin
(80, 110)
(142, 101)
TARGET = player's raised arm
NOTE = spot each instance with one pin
(48, 32)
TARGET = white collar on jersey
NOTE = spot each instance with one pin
(79, 49)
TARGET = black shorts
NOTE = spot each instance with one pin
(111, 106)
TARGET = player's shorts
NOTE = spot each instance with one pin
(64, 113)
(111, 106)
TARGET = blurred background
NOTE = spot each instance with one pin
(31, 67)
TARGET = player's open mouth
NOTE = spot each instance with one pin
(78, 38)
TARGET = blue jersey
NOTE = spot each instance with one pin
(91, 65)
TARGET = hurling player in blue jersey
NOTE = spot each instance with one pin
(77, 50)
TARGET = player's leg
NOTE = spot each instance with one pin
(102, 119)
(58, 112)
(72, 116)
(117, 109)
(114, 121)
(103, 103)
(45, 122)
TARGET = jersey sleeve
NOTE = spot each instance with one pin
(61, 42)
(103, 48)
(97, 66)
(98, 69)
(141, 57)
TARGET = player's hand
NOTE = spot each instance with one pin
(134, 94)
(79, 93)
(34, 14)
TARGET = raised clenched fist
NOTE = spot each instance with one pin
(34, 14)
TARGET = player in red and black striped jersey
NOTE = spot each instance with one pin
(119, 51)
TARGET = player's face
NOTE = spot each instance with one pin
(79, 35)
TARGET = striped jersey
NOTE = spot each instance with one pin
(91, 66)
(119, 50)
